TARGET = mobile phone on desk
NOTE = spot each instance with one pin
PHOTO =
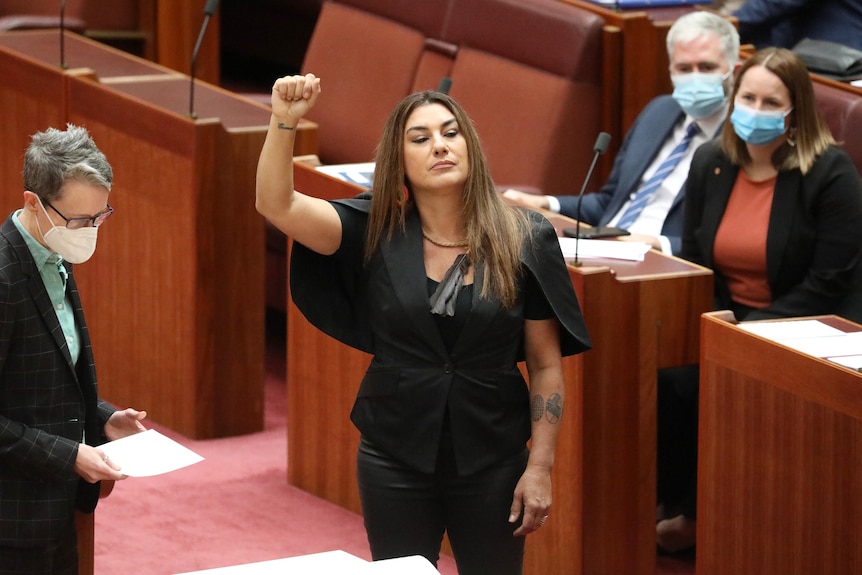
(595, 233)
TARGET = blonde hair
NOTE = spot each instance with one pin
(495, 231)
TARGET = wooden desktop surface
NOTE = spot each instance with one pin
(183, 255)
(603, 517)
(80, 52)
(779, 463)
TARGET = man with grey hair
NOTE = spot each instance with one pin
(51, 417)
(645, 190)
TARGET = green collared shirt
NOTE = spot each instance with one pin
(53, 274)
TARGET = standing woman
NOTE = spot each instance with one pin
(775, 207)
(448, 287)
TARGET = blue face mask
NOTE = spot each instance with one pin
(699, 95)
(758, 127)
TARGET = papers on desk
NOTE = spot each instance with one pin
(359, 174)
(622, 4)
(611, 249)
(149, 453)
(814, 338)
(329, 563)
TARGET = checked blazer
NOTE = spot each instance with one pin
(47, 404)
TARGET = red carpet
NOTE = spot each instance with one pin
(235, 507)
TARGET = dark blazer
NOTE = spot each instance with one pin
(814, 240)
(784, 23)
(642, 143)
(382, 308)
(46, 404)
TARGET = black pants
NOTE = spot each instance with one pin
(59, 558)
(406, 512)
(676, 443)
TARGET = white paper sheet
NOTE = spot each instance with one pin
(833, 346)
(611, 249)
(851, 361)
(413, 565)
(149, 453)
(778, 330)
(328, 563)
(359, 174)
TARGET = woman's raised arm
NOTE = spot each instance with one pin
(308, 220)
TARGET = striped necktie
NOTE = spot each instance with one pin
(648, 189)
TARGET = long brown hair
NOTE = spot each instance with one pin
(495, 231)
(809, 136)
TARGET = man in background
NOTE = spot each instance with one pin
(645, 190)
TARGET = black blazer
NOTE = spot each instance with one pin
(814, 240)
(46, 404)
(382, 308)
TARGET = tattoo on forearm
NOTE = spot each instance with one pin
(554, 408)
(283, 126)
(537, 407)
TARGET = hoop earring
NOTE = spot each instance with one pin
(791, 137)
(405, 197)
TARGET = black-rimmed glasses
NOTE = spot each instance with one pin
(78, 223)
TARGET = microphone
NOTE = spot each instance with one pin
(209, 10)
(445, 84)
(599, 148)
(63, 34)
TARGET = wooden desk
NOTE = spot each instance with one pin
(779, 464)
(174, 294)
(641, 316)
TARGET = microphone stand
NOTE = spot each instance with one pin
(599, 148)
(63, 34)
(209, 10)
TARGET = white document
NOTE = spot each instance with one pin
(413, 565)
(851, 361)
(149, 453)
(359, 174)
(611, 249)
(780, 330)
(835, 346)
(328, 563)
(316, 563)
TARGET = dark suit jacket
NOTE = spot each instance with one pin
(784, 23)
(814, 240)
(46, 404)
(642, 143)
(382, 308)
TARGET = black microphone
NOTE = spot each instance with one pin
(63, 34)
(445, 84)
(209, 10)
(599, 148)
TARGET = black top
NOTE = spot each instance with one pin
(381, 306)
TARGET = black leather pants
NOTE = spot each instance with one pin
(406, 512)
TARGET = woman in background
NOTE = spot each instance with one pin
(774, 208)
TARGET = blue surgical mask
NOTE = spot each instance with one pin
(758, 127)
(699, 95)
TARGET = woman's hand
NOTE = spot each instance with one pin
(293, 97)
(532, 500)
